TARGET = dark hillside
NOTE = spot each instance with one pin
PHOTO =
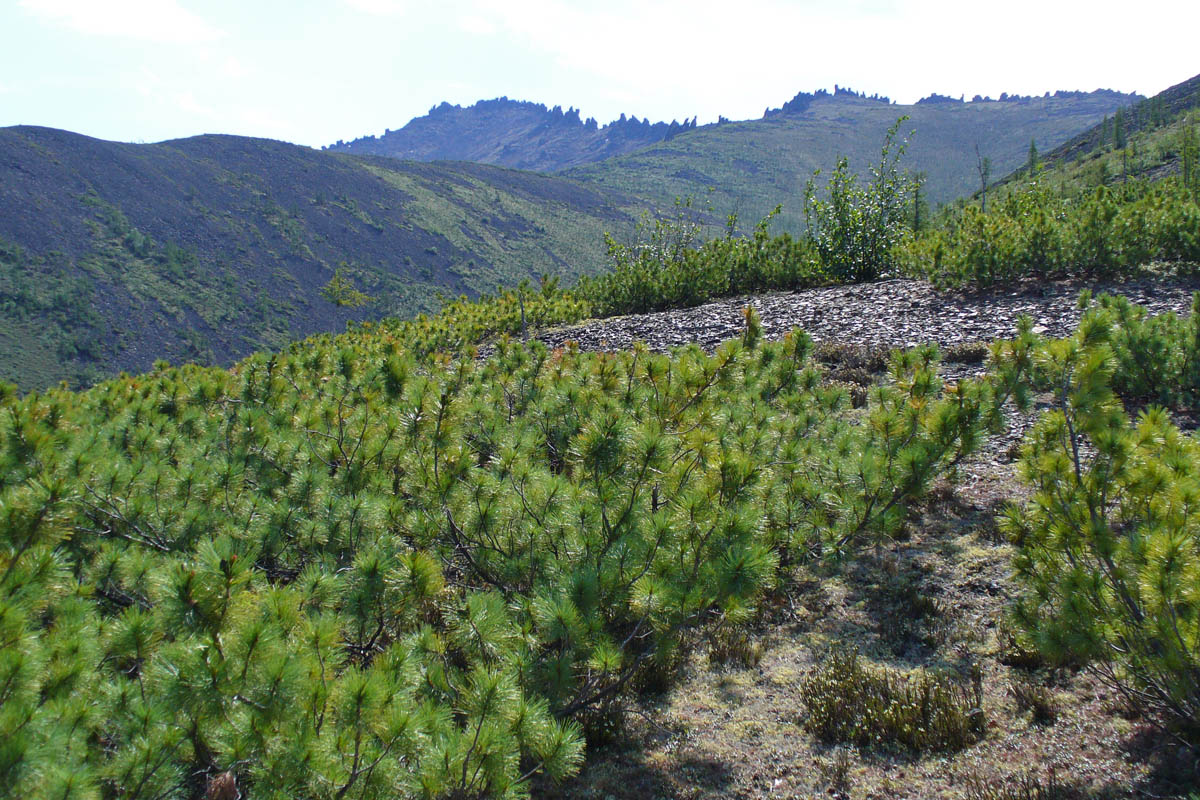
(114, 255)
(513, 133)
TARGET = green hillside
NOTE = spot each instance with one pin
(115, 255)
(1151, 139)
(751, 166)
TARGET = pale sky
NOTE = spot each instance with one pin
(312, 71)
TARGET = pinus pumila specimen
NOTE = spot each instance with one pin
(1037, 232)
(363, 569)
(1108, 547)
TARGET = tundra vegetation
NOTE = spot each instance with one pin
(376, 565)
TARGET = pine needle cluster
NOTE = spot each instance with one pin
(1037, 233)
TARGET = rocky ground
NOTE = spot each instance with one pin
(887, 314)
(733, 728)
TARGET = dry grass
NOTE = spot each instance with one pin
(733, 730)
(936, 601)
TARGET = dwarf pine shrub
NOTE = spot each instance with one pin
(365, 568)
(1157, 357)
(1108, 545)
(1036, 233)
(463, 323)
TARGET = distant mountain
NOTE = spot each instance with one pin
(513, 133)
(115, 255)
(752, 166)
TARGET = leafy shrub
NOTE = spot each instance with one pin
(1108, 545)
(852, 233)
(836, 771)
(666, 267)
(730, 644)
(852, 703)
(855, 228)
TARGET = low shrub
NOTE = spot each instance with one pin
(1036, 233)
(1157, 357)
(364, 569)
(966, 353)
(1036, 699)
(667, 266)
(870, 358)
(1013, 649)
(853, 703)
(1026, 787)
(911, 615)
(1109, 544)
(855, 227)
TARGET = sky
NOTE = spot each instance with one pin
(314, 72)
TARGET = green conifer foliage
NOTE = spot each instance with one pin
(1033, 232)
(364, 568)
(1108, 548)
(1189, 156)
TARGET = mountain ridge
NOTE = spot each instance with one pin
(114, 255)
(499, 131)
(749, 167)
(1154, 129)
(527, 135)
